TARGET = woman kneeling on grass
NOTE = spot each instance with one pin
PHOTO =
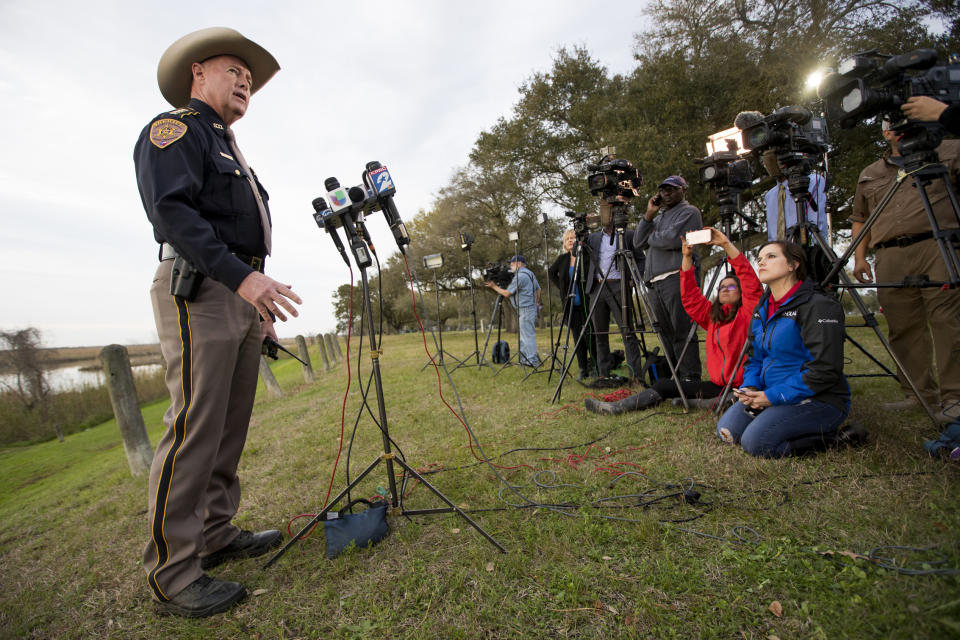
(794, 395)
(726, 320)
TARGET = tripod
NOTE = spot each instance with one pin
(473, 312)
(627, 266)
(440, 349)
(574, 289)
(387, 457)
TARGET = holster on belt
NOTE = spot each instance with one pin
(185, 280)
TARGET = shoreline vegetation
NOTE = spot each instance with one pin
(74, 410)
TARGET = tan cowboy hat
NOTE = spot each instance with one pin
(175, 77)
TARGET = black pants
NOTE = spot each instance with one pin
(609, 303)
(675, 325)
(578, 317)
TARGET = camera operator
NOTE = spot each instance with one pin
(661, 235)
(561, 274)
(603, 248)
(905, 246)
(927, 109)
(781, 208)
(524, 284)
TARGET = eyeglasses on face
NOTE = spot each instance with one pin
(729, 287)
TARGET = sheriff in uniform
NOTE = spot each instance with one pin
(213, 306)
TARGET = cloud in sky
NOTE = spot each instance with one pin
(410, 83)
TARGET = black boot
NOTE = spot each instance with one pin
(636, 402)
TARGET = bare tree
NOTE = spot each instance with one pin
(23, 356)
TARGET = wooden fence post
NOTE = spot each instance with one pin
(323, 352)
(126, 408)
(269, 380)
(336, 345)
(305, 356)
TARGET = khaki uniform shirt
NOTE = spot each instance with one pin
(905, 215)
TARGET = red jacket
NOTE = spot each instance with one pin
(724, 341)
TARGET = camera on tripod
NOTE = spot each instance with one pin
(498, 274)
(725, 172)
(791, 129)
(871, 83)
(615, 180)
(582, 223)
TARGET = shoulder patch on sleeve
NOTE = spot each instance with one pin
(165, 132)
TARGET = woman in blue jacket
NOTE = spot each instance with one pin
(794, 395)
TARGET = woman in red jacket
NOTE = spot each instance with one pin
(726, 321)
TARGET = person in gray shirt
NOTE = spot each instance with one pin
(659, 235)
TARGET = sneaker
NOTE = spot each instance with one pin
(203, 597)
(909, 402)
(245, 545)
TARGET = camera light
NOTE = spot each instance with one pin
(814, 79)
(723, 140)
(709, 173)
(433, 261)
(513, 236)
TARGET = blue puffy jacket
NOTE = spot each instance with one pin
(798, 353)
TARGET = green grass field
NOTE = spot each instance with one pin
(771, 548)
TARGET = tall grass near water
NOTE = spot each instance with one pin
(72, 410)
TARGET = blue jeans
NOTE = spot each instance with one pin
(769, 435)
(528, 336)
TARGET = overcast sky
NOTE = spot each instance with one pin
(409, 83)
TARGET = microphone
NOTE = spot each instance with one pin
(361, 201)
(338, 196)
(329, 222)
(380, 183)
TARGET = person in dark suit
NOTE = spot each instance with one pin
(603, 248)
(561, 274)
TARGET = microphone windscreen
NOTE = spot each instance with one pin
(747, 119)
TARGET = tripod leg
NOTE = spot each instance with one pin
(454, 507)
(871, 321)
(321, 516)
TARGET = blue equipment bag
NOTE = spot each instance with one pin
(946, 445)
(501, 352)
(362, 529)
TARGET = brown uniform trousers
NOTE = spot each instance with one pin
(921, 321)
(211, 346)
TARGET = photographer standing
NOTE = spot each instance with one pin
(524, 284)
(781, 208)
(920, 321)
(561, 274)
(603, 264)
(661, 236)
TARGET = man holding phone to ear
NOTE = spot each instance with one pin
(660, 236)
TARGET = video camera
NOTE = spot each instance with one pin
(725, 171)
(614, 179)
(791, 129)
(582, 223)
(727, 175)
(871, 83)
(497, 273)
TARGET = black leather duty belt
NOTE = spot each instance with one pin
(167, 252)
(904, 241)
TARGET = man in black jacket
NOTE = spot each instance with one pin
(603, 263)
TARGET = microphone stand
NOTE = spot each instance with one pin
(362, 258)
